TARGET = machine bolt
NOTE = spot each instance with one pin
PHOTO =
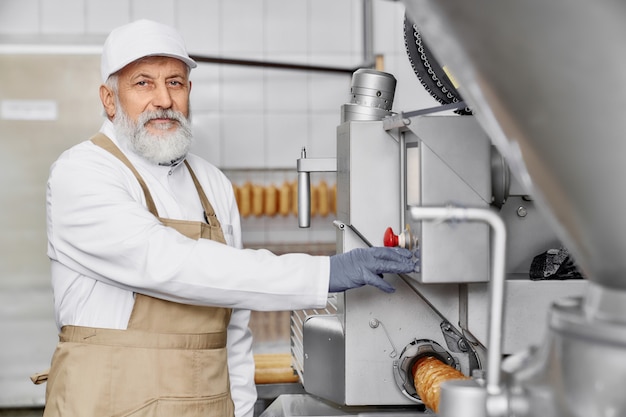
(462, 345)
(521, 211)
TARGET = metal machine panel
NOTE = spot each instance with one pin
(367, 169)
(526, 307)
(454, 169)
(324, 362)
(377, 326)
(531, 233)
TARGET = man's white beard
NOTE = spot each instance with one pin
(165, 148)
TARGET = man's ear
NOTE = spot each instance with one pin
(107, 97)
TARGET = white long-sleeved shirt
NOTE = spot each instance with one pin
(104, 245)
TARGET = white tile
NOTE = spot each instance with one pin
(205, 87)
(330, 26)
(388, 17)
(207, 137)
(341, 60)
(104, 16)
(329, 91)
(286, 90)
(286, 26)
(162, 11)
(357, 26)
(253, 230)
(286, 135)
(286, 230)
(199, 23)
(62, 16)
(323, 136)
(243, 140)
(19, 17)
(291, 233)
(243, 88)
(243, 28)
(322, 229)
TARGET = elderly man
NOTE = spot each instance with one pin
(152, 288)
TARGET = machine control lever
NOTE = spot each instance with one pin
(305, 166)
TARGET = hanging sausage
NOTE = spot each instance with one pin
(257, 200)
(284, 199)
(322, 204)
(271, 200)
(245, 195)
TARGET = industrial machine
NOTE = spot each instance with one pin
(358, 354)
(440, 185)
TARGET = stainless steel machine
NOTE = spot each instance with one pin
(550, 348)
(525, 68)
(356, 356)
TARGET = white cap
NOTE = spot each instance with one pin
(139, 39)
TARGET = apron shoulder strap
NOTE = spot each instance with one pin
(107, 144)
(209, 213)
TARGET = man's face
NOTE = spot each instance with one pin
(151, 108)
(155, 83)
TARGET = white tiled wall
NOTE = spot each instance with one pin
(251, 117)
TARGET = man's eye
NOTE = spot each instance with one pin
(142, 83)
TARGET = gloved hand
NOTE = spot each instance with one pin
(365, 266)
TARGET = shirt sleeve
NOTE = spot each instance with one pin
(98, 226)
(241, 364)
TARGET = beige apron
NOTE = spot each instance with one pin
(171, 361)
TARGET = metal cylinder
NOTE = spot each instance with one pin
(462, 398)
(304, 199)
(372, 94)
(579, 370)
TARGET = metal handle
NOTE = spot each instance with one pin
(496, 283)
(304, 199)
(305, 167)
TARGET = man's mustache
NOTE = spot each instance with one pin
(149, 115)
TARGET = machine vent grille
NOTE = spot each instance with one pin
(298, 318)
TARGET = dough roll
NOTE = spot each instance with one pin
(428, 374)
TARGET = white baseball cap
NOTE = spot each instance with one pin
(139, 39)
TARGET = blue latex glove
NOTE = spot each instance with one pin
(361, 266)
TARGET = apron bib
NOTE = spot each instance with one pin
(170, 361)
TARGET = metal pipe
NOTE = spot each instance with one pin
(304, 194)
(402, 181)
(270, 64)
(368, 33)
(496, 283)
(304, 199)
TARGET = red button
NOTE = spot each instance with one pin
(390, 239)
